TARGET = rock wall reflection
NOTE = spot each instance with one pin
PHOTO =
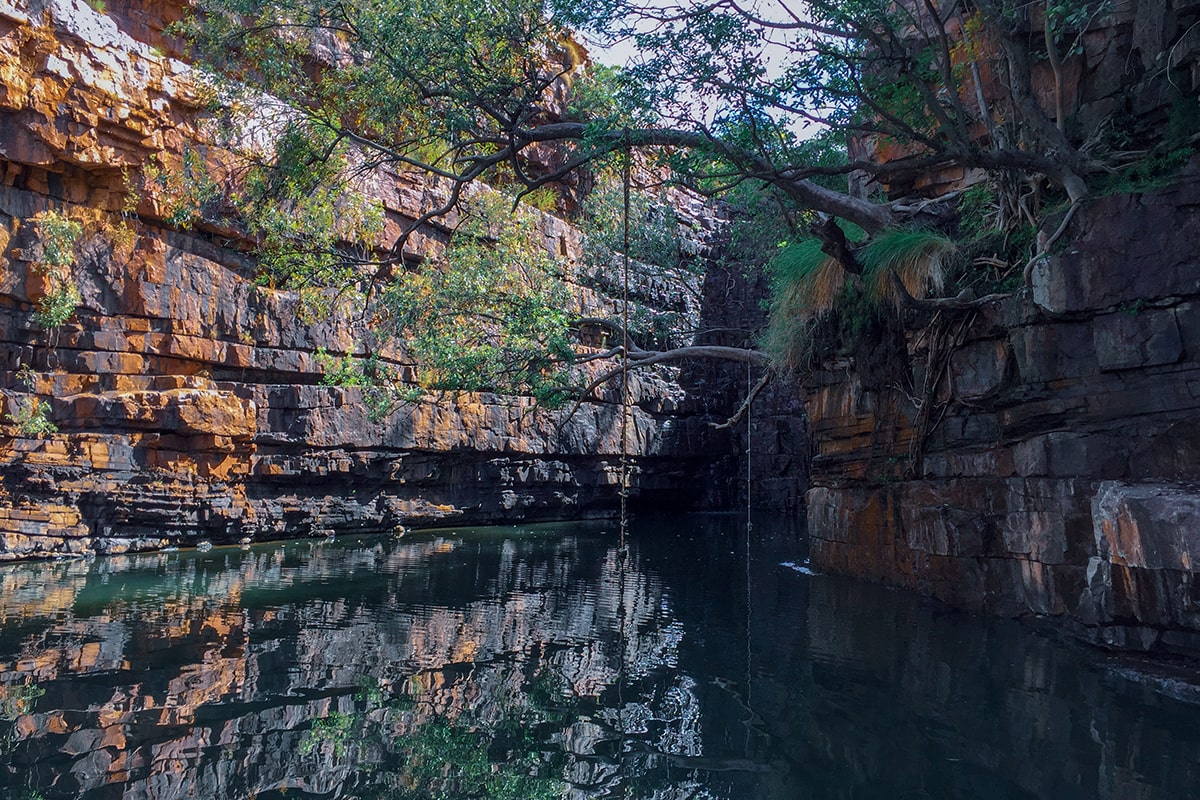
(544, 663)
(304, 668)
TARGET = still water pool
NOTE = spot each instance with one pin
(539, 662)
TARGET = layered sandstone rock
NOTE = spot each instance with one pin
(188, 398)
(1039, 456)
(1052, 468)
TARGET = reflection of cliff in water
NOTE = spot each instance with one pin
(846, 690)
(491, 664)
(179, 674)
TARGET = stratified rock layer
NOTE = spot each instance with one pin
(188, 398)
(1056, 461)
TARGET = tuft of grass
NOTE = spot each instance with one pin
(806, 285)
(804, 280)
(916, 255)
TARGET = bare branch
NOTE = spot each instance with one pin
(870, 216)
(639, 358)
(941, 303)
(766, 378)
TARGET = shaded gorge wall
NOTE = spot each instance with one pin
(1038, 455)
(1050, 468)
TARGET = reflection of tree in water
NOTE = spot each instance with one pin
(399, 747)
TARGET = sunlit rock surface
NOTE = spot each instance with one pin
(187, 397)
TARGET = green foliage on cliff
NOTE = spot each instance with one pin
(659, 252)
(653, 230)
(407, 83)
(380, 385)
(492, 314)
(313, 224)
(56, 306)
(315, 98)
(289, 189)
(58, 236)
(32, 419)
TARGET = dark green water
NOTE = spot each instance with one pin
(533, 663)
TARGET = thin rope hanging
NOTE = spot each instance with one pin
(622, 551)
(749, 428)
(625, 347)
(749, 589)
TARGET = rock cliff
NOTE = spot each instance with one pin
(188, 398)
(1043, 458)
(1051, 468)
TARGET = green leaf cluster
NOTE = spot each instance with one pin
(659, 253)
(31, 419)
(493, 313)
(56, 306)
(414, 78)
(294, 196)
(607, 99)
(654, 230)
(58, 236)
(1069, 20)
(188, 189)
(305, 212)
(380, 385)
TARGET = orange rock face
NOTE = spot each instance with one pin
(187, 399)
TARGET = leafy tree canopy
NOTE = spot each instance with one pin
(465, 91)
(729, 93)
